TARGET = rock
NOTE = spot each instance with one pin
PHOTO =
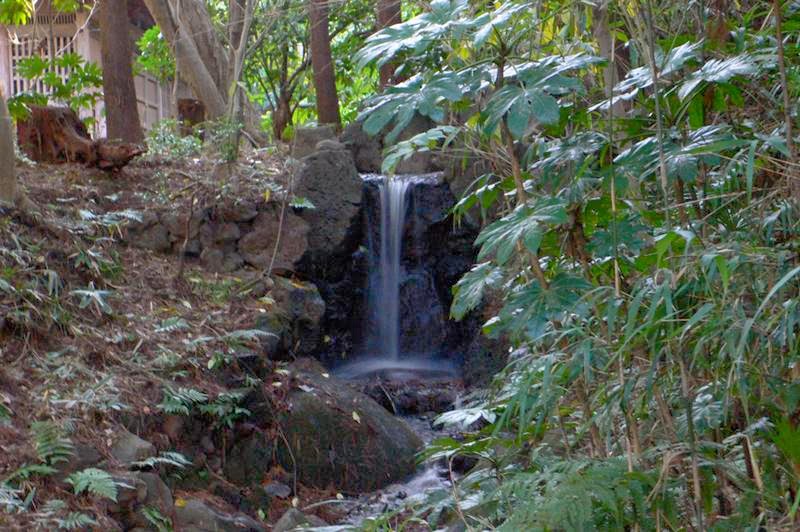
(149, 233)
(258, 246)
(329, 179)
(194, 515)
(306, 139)
(414, 397)
(82, 457)
(419, 163)
(131, 493)
(158, 497)
(219, 234)
(237, 211)
(217, 260)
(484, 356)
(294, 320)
(130, 448)
(423, 316)
(141, 491)
(249, 460)
(278, 489)
(176, 224)
(366, 150)
(330, 144)
(294, 518)
(342, 438)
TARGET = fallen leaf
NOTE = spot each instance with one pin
(356, 417)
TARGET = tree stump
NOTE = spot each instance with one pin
(57, 135)
(191, 113)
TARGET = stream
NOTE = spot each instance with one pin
(431, 476)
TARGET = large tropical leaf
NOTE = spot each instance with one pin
(468, 292)
(526, 224)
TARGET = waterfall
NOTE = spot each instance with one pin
(387, 299)
(403, 330)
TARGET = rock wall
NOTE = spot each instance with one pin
(226, 236)
(324, 312)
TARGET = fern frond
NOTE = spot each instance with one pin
(157, 519)
(165, 458)
(76, 521)
(10, 498)
(181, 401)
(27, 471)
(51, 445)
(97, 482)
(169, 325)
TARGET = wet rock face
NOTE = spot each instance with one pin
(435, 255)
(329, 179)
(342, 438)
(368, 149)
(293, 322)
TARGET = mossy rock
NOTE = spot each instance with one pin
(342, 438)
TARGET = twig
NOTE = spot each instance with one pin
(182, 258)
(787, 104)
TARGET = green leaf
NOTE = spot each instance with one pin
(469, 291)
(95, 481)
(526, 223)
(15, 12)
(719, 71)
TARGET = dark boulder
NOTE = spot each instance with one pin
(329, 179)
(258, 246)
(306, 139)
(293, 321)
(195, 515)
(340, 437)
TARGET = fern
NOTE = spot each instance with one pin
(165, 458)
(157, 519)
(76, 521)
(170, 325)
(52, 515)
(181, 401)
(10, 498)
(97, 482)
(27, 471)
(51, 445)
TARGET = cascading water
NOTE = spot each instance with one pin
(404, 326)
(386, 300)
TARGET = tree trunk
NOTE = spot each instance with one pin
(122, 111)
(201, 58)
(322, 64)
(281, 115)
(57, 135)
(388, 15)
(605, 42)
(8, 177)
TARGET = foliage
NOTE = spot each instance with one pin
(165, 458)
(52, 447)
(165, 140)
(155, 57)
(80, 88)
(224, 409)
(637, 250)
(96, 482)
(54, 514)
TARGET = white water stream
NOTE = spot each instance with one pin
(393, 193)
